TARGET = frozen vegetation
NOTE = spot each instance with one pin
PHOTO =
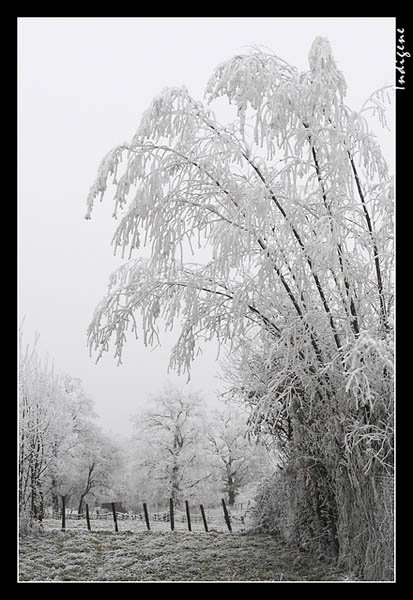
(166, 556)
(290, 208)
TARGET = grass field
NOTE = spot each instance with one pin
(78, 555)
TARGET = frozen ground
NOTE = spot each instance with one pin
(78, 555)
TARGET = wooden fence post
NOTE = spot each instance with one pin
(114, 516)
(88, 517)
(227, 520)
(63, 513)
(188, 515)
(203, 517)
(145, 511)
(171, 513)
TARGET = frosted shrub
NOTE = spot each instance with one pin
(28, 525)
(25, 523)
(272, 511)
(366, 525)
(297, 505)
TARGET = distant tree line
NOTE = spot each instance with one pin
(179, 449)
(182, 450)
(62, 452)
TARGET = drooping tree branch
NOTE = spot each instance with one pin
(354, 318)
(376, 258)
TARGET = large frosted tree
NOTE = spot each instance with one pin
(293, 204)
(167, 446)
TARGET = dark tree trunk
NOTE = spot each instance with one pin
(79, 508)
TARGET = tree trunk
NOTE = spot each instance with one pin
(79, 508)
(63, 513)
(55, 502)
(41, 506)
(231, 486)
(34, 483)
(175, 488)
(89, 486)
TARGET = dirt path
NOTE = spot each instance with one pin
(169, 556)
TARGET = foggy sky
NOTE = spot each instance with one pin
(83, 84)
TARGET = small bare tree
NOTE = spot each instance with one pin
(233, 456)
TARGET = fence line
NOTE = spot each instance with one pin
(179, 516)
(204, 515)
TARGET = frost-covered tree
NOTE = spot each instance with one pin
(232, 456)
(166, 448)
(37, 389)
(55, 436)
(98, 460)
(67, 439)
(293, 204)
(46, 416)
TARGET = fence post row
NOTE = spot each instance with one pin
(87, 517)
(145, 510)
(146, 514)
(188, 515)
(203, 517)
(227, 520)
(171, 513)
(63, 513)
(114, 516)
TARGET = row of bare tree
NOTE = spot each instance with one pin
(182, 450)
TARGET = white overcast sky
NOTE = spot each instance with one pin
(83, 84)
